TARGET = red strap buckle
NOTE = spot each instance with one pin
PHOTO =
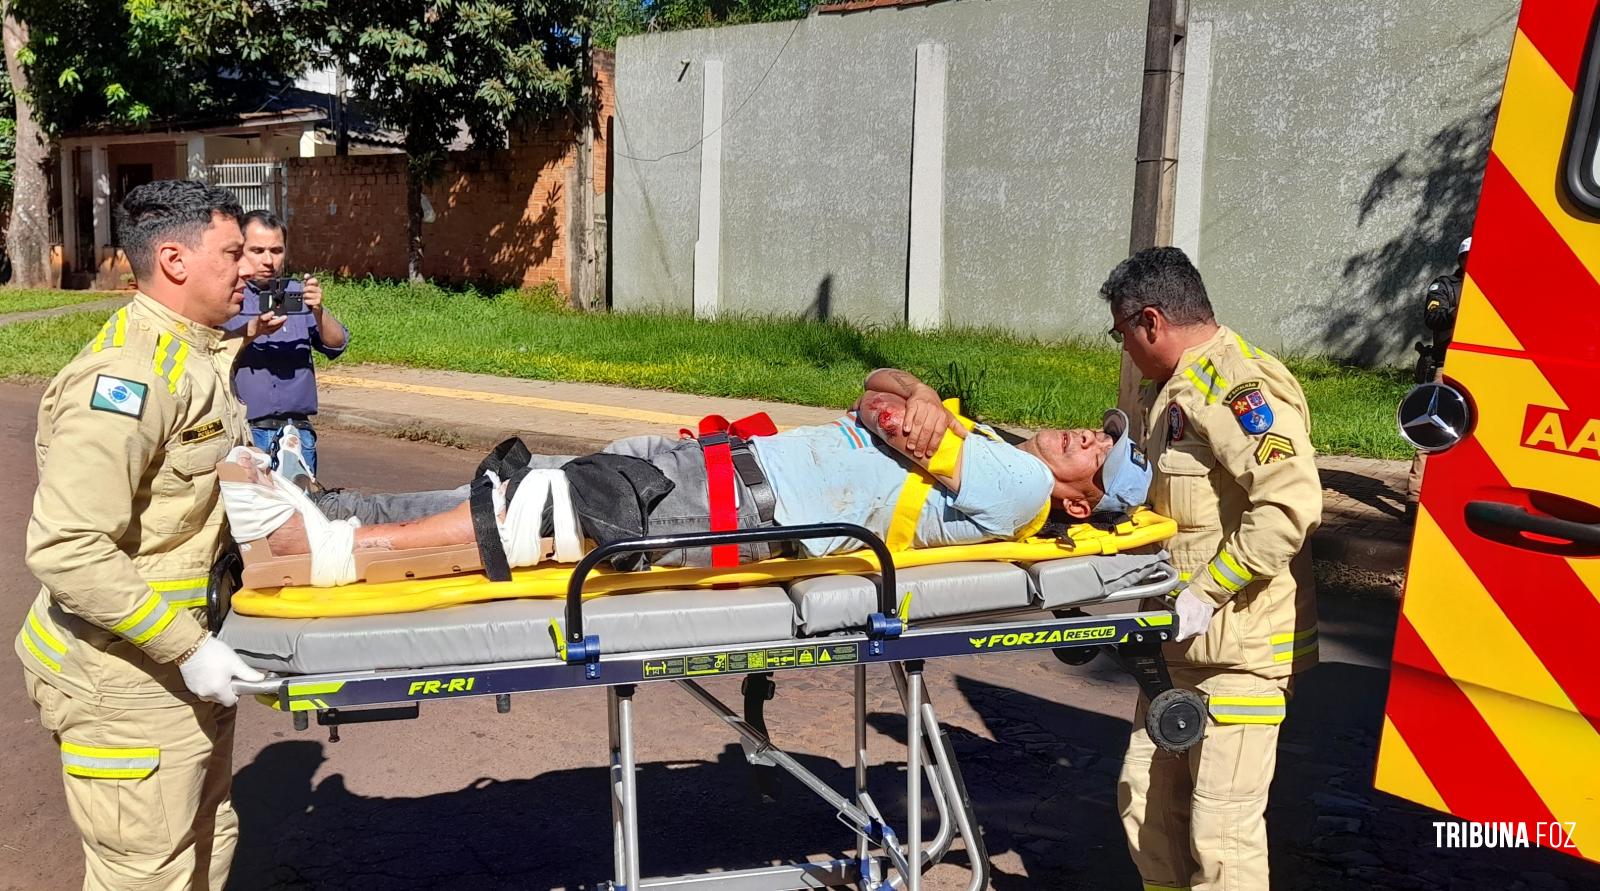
(715, 444)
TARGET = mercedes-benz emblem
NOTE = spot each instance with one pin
(1434, 417)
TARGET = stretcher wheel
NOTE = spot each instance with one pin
(1076, 655)
(1176, 719)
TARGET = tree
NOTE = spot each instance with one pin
(432, 67)
(78, 63)
(28, 235)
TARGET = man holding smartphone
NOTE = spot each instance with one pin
(274, 375)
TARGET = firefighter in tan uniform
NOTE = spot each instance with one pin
(1227, 431)
(126, 522)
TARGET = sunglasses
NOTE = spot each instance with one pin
(1115, 334)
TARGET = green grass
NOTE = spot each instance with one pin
(1004, 378)
(26, 299)
(37, 349)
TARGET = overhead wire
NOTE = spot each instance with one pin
(726, 121)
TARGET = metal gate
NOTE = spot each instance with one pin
(259, 185)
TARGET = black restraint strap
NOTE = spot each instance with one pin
(480, 500)
(744, 463)
(506, 458)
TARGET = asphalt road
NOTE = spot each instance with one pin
(464, 797)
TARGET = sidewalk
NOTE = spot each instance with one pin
(1363, 523)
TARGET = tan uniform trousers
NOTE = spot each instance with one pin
(173, 829)
(1197, 821)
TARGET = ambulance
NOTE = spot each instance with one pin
(1493, 712)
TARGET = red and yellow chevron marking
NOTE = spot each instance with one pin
(1494, 702)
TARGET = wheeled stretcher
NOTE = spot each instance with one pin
(355, 669)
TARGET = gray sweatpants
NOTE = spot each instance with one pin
(685, 509)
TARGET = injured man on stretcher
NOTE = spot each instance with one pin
(863, 468)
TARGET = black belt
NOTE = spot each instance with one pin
(749, 470)
(273, 422)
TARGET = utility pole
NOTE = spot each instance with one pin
(585, 278)
(1155, 177)
(340, 113)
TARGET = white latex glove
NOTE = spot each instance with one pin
(211, 671)
(1194, 615)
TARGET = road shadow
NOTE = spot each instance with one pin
(548, 831)
(1045, 788)
(1380, 496)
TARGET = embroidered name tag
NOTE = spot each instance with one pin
(201, 432)
(118, 396)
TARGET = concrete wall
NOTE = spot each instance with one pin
(816, 162)
(1345, 146)
(1333, 152)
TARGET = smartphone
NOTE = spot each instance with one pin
(281, 300)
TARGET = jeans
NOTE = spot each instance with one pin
(683, 510)
(266, 439)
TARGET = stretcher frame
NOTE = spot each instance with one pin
(1176, 717)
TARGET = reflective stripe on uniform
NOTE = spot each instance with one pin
(109, 763)
(171, 353)
(183, 593)
(1152, 886)
(44, 646)
(1203, 374)
(1229, 573)
(1286, 647)
(150, 619)
(114, 332)
(1247, 349)
(1268, 709)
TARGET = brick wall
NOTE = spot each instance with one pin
(499, 215)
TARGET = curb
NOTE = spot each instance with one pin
(1385, 555)
(29, 315)
(461, 436)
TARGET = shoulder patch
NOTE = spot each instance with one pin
(119, 396)
(1250, 407)
(1274, 448)
(1176, 422)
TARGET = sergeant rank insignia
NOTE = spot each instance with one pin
(1250, 407)
(1274, 448)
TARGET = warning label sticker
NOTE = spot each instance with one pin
(744, 661)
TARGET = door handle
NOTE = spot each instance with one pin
(1510, 516)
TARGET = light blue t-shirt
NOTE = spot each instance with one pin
(840, 473)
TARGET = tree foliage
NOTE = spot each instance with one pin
(433, 67)
(620, 18)
(136, 61)
(429, 67)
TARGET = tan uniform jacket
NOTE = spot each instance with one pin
(1229, 438)
(127, 518)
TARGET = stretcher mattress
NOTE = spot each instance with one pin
(516, 630)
